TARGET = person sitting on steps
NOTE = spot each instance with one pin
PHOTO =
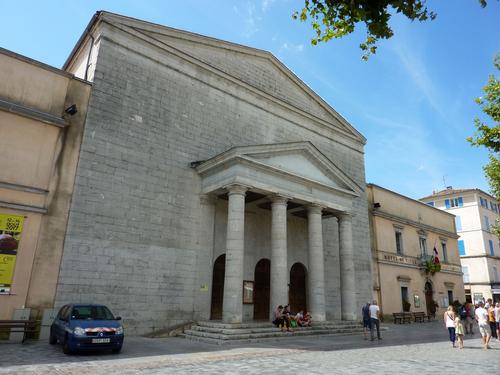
(280, 320)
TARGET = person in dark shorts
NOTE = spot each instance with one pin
(365, 312)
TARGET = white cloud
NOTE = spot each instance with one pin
(265, 4)
(416, 68)
(297, 48)
(409, 148)
(250, 21)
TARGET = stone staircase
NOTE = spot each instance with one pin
(219, 333)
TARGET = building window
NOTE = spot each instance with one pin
(492, 251)
(430, 204)
(399, 242)
(461, 247)
(482, 201)
(454, 202)
(458, 223)
(487, 223)
(423, 247)
(450, 296)
(445, 252)
(465, 270)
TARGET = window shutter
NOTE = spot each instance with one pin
(458, 223)
(461, 247)
(447, 203)
(492, 251)
(460, 202)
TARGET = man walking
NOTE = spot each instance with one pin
(374, 320)
(365, 311)
(484, 326)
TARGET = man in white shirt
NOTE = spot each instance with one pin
(484, 326)
(374, 320)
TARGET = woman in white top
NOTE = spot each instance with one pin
(449, 321)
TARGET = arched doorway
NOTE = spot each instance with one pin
(218, 287)
(261, 291)
(429, 299)
(297, 291)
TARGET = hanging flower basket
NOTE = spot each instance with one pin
(432, 267)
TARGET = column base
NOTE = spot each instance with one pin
(349, 316)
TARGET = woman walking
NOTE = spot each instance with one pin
(449, 321)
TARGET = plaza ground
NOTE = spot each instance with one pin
(404, 349)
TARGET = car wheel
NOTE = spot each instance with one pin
(116, 350)
(66, 348)
(52, 339)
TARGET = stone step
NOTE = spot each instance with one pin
(257, 325)
(255, 338)
(262, 335)
(239, 331)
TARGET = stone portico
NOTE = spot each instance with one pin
(293, 179)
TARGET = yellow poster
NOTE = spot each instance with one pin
(11, 227)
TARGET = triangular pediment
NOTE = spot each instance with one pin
(260, 70)
(298, 160)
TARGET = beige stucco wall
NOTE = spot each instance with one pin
(393, 271)
(41, 146)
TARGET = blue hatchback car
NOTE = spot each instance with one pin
(84, 326)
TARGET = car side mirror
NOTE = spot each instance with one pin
(118, 318)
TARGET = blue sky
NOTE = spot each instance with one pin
(413, 100)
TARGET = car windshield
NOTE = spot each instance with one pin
(91, 313)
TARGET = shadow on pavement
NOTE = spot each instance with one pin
(35, 352)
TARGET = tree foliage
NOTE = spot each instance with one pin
(488, 135)
(333, 19)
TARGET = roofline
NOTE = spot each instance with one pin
(370, 184)
(90, 25)
(440, 193)
(101, 14)
(40, 64)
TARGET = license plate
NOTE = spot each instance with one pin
(100, 341)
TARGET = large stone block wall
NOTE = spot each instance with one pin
(133, 238)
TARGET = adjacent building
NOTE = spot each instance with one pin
(406, 238)
(42, 112)
(475, 212)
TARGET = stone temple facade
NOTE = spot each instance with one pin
(212, 184)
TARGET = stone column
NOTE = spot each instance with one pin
(347, 275)
(316, 274)
(279, 260)
(232, 306)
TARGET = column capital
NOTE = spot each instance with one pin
(236, 189)
(344, 217)
(314, 208)
(278, 199)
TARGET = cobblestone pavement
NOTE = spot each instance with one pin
(404, 349)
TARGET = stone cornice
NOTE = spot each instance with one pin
(23, 188)
(415, 224)
(23, 207)
(32, 113)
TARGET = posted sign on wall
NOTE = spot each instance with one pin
(11, 227)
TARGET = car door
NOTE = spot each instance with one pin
(60, 322)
